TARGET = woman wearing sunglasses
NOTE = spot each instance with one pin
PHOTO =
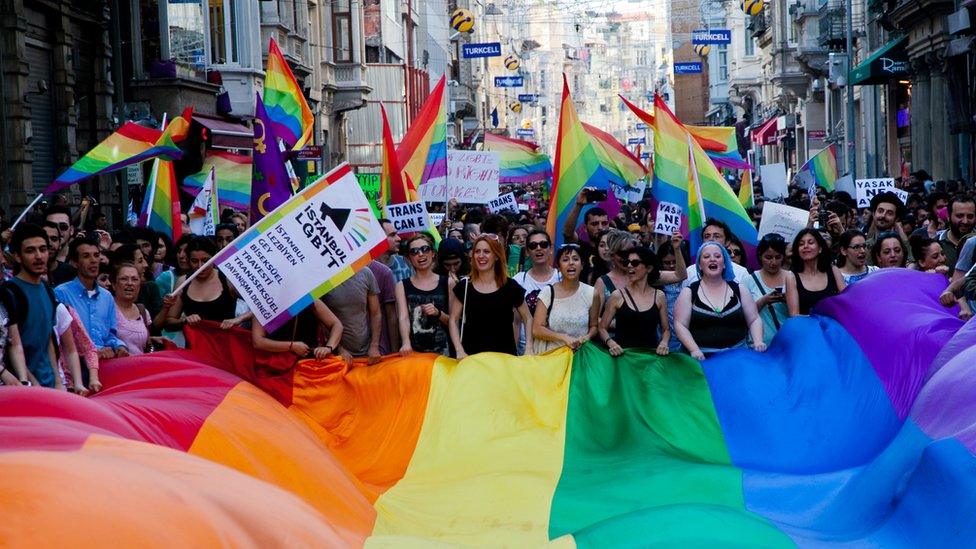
(423, 301)
(539, 277)
(483, 307)
(637, 309)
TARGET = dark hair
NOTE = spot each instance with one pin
(565, 249)
(772, 241)
(844, 241)
(204, 244)
(649, 260)
(958, 198)
(227, 227)
(876, 247)
(712, 222)
(823, 258)
(418, 236)
(839, 208)
(150, 236)
(57, 209)
(918, 244)
(512, 229)
(595, 211)
(383, 220)
(51, 225)
(889, 198)
(666, 249)
(495, 224)
(25, 231)
(78, 243)
(931, 199)
(537, 232)
(168, 243)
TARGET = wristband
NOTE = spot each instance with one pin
(330, 348)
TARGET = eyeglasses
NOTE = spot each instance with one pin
(633, 263)
(421, 250)
(857, 247)
(544, 245)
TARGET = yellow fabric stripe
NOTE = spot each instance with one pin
(489, 455)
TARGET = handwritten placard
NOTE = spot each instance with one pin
(668, 218)
(774, 180)
(866, 189)
(472, 178)
(783, 220)
(504, 203)
(437, 218)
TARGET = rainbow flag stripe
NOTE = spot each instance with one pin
(830, 437)
(422, 154)
(577, 166)
(823, 167)
(130, 144)
(519, 161)
(624, 167)
(233, 173)
(286, 105)
(746, 192)
(161, 206)
(395, 188)
(675, 152)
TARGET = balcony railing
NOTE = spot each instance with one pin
(833, 29)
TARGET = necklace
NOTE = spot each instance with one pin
(704, 295)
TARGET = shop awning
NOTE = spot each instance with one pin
(890, 61)
(766, 133)
(224, 134)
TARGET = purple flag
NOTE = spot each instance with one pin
(270, 184)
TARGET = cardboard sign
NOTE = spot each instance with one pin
(774, 180)
(783, 220)
(409, 217)
(902, 195)
(631, 193)
(436, 219)
(304, 248)
(845, 184)
(472, 178)
(504, 203)
(667, 220)
(866, 189)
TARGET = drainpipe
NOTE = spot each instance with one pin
(119, 99)
(849, 125)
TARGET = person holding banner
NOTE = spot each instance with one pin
(637, 309)
(816, 277)
(423, 301)
(772, 287)
(207, 297)
(483, 307)
(853, 257)
(300, 334)
(888, 251)
(562, 311)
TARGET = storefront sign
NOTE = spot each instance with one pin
(488, 49)
(711, 36)
(688, 68)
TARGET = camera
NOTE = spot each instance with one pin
(596, 195)
(823, 216)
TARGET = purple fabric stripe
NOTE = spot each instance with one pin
(901, 354)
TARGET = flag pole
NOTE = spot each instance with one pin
(23, 214)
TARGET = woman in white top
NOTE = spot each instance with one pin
(562, 311)
(539, 249)
(853, 257)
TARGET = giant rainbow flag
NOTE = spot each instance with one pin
(624, 168)
(285, 102)
(518, 161)
(679, 162)
(233, 173)
(577, 166)
(834, 436)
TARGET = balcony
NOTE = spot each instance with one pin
(349, 86)
(802, 9)
(833, 30)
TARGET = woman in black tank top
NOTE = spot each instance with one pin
(713, 314)
(812, 267)
(638, 309)
(207, 297)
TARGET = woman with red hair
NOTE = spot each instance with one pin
(483, 306)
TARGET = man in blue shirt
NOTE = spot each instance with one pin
(94, 304)
(30, 249)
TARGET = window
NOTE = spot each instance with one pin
(750, 43)
(723, 62)
(223, 32)
(185, 24)
(342, 32)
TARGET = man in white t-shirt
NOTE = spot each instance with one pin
(539, 247)
(715, 231)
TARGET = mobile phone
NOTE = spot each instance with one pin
(596, 195)
(823, 216)
(778, 290)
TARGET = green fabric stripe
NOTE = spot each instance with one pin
(645, 460)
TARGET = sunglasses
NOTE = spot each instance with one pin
(633, 263)
(63, 226)
(421, 250)
(735, 252)
(533, 245)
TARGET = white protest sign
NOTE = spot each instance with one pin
(409, 217)
(632, 193)
(783, 220)
(667, 220)
(866, 189)
(845, 184)
(504, 203)
(436, 218)
(902, 195)
(203, 214)
(472, 178)
(774, 180)
(304, 248)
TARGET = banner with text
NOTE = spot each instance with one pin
(409, 217)
(504, 203)
(667, 220)
(866, 189)
(472, 178)
(370, 184)
(783, 220)
(304, 248)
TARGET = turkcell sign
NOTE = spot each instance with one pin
(711, 36)
(684, 68)
(635, 141)
(510, 81)
(640, 126)
(528, 97)
(525, 132)
(488, 49)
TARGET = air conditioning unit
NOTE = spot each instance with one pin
(959, 21)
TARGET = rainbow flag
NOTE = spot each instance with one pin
(746, 193)
(625, 168)
(130, 144)
(822, 168)
(395, 186)
(161, 207)
(577, 166)
(519, 161)
(678, 162)
(832, 437)
(285, 101)
(204, 214)
(719, 142)
(233, 174)
(422, 153)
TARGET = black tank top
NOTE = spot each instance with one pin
(809, 298)
(217, 310)
(717, 329)
(636, 328)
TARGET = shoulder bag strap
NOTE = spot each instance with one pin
(772, 312)
(552, 302)
(464, 306)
